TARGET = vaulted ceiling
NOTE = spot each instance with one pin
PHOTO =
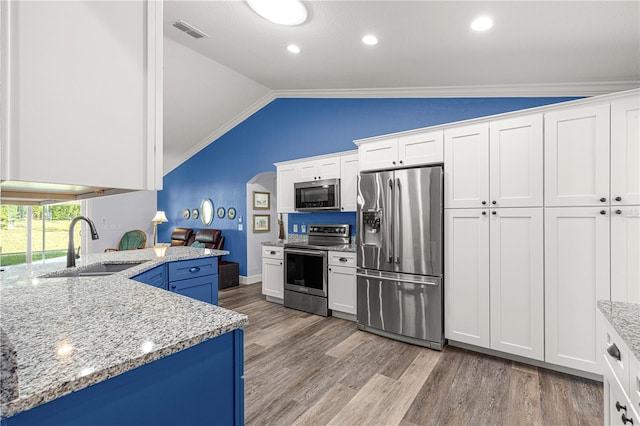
(426, 49)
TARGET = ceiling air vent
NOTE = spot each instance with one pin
(189, 29)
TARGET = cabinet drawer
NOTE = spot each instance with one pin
(193, 268)
(634, 383)
(341, 258)
(617, 354)
(272, 252)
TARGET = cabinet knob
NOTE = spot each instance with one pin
(484, 203)
(614, 352)
(400, 161)
(618, 211)
(626, 419)
(329, 268)
(343, 259)
(603, 200)
(494, 212)
(603, 212)
(393, 162)
(618, 198)
(173, 287)
(281, 263)
(319, 177)
(484, 213)
(620, 406)
(272, 252)
(494, 202)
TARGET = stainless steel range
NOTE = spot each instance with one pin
(305, 268)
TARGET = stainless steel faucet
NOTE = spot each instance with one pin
(71, 258)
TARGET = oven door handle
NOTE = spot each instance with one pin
(318, 253)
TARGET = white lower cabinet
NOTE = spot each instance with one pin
(576, 277)
(494, 279)
(273, 271)
(342, 282)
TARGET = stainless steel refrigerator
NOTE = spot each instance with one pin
(400, 255)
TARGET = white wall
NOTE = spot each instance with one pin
(262, 182)
(116, 214)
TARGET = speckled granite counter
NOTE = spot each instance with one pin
(63, 334)
(625, 319)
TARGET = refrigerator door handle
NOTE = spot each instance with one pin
(397, 236)
(399, 280)
(389, 221)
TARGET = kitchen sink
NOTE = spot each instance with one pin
(94, 270)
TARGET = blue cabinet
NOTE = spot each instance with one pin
(196, 278)
(200, 385)
(155, 277)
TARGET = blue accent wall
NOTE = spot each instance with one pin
(288, 129)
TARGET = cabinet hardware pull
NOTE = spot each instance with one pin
(618, 211)
(343, 259)
(494, 202)
(329, 268)
(194, 269)
(603, 212)
(613, 350)
(618, 198)
(400, 161)
(626, 419)
(484, 213)
(494, 212)
(393, 162)
(603, 200)
(319, 177)
(173, 286)
(272, 252)
(281, 263)
(620, 406)
(484, 203)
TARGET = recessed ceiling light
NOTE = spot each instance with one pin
(482, 23)
(283, 12)
(293, 48)
(370, 39)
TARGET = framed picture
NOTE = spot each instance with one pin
(261, 223)
(261, 200)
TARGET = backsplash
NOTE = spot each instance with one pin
(306, 219)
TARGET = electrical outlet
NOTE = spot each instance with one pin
(295, 227)
(304, 228)
(240, 227)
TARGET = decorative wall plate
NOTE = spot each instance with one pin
(186, 213)
(231, 213)
(195, 213)
(221, 212)
(206, 211)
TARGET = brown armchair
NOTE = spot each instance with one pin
(182, 237)
(211, 238)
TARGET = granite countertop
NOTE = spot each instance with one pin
(625, 319)
(60, 335)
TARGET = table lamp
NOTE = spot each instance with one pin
(160, 217)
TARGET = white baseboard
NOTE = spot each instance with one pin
(250, 279)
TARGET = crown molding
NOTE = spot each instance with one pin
(485, 91)
(212, 137)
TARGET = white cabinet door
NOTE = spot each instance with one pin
(576, 164)
(467, 276)
(342, 289)
(625, 151)
(625, 254)
(286, 176)
(576, 277)
(273, 278)
(466, 165)
(82, 93)
(349, 182)
(517, 281)
(422, 148)
(307, 170)
(329, 168)
(516, 170)
(378, 155)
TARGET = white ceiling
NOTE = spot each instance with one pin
(426, 49)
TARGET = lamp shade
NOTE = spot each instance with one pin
(160, 217)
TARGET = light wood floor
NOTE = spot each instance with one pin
(304, 369)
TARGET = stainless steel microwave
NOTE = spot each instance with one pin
(317, 195)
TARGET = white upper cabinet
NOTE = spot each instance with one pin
(349, 182)
(466, 159)
(516, 162)
(576, 277)
(625, 151)
(286, 176)
(577, 156)
(625, 254)
(403, 151)
(326, 168)
(82, 93)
